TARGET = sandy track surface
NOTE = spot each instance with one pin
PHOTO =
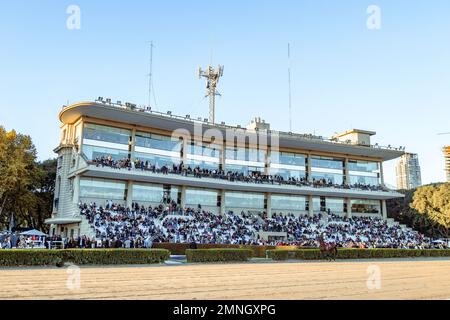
(421, 279)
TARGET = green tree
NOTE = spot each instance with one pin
(17, 164)
(433, 202)
(26, 186)
(44, 192)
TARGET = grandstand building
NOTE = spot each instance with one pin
(309, 174)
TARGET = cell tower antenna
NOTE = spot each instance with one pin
(289, 84)
(212, 79)
(150, 74)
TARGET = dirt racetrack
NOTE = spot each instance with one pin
(407, 279)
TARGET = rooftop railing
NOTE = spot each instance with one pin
(205, 121)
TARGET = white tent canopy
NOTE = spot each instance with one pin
(33, 232)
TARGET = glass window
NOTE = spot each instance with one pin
(202, 164)
(281, 202)
(373, 181)
(363, 166)
(246, 170)
(286, 173)
(153, 192)
(92, 153)
(107, 134)
(365, 206)
(316, 204)
(245, 154)
(156, 141)
(288, 158)
(329, 177)
(329, 163)
(244, 200)
(204, 197)
(102, 189)
(157, 160)
(335, 205)
(202, 149)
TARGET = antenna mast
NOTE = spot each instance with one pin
(289, 84)
(212, 79)
(150, 76)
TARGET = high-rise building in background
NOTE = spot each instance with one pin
(447, 162)
(408, 172)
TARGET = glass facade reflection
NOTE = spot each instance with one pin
(244, 200)
(284, 202)
(156, 141)
(246, 154)
(106, 134)
(205, 197)
(288, 158)
(93, 152)
(364, 172)
(157, 160)
(335, 205)
(366, 206)
(288, 165)
(330, 169)
(102, 189)
(328, 163)
(154, 192)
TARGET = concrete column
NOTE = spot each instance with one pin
(185, 150)
(129, 199)
(183, 197)
(311, 208)
(223, 209)
(269, 204)
(268, 160)
(346, 171)
(384, 209)
(133, 144)
(76, 189)
(381, 174)
(349, 208)
(223, 155)
(308, 168)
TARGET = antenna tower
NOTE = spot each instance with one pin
(289, 84)
(150, 76)
(212, 79)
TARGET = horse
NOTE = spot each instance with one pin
(327, 250)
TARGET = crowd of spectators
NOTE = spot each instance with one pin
(229, 175)
(117, 226)
(358, 231)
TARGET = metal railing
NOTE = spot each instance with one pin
(306, 136)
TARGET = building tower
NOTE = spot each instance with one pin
(408, 172)
(212, 79)
(447, 162)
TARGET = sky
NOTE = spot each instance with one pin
(394, 80)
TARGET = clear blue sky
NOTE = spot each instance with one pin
(395, 81)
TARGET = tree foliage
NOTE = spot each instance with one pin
(426, 209)
(26, 186)
(433, 201)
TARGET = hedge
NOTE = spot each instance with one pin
(314, 254)
(218, 255)
(43, 257)
(180, 248)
